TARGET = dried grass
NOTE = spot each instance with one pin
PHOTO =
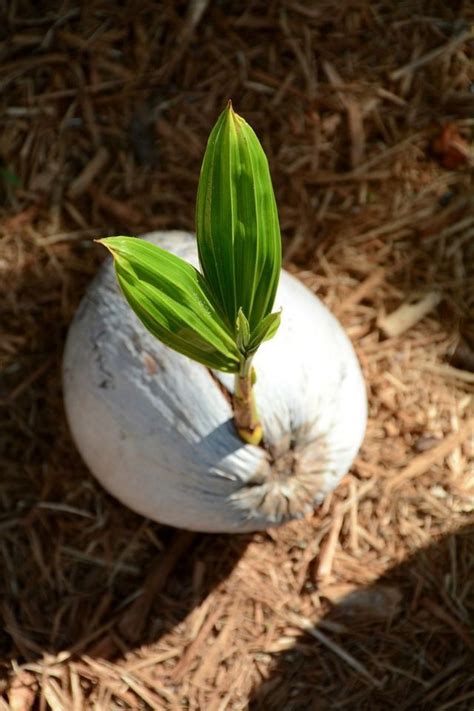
(104, 115)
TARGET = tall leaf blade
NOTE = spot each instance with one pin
(237, 225)
(173, 302)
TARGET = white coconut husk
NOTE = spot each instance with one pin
(156, 428)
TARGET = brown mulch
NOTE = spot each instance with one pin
(366, 113)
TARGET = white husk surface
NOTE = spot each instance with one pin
(156, 429)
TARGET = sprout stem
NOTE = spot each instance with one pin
(246, 416)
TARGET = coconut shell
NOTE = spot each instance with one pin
(156, 428)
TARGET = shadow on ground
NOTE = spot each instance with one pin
(406, 642)
(78, 571)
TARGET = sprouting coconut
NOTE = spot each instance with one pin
(227, 398)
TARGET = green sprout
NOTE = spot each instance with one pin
(221, 316)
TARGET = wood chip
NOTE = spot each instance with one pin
(89, 173)
(362, 291)
(134, 621)
(328, 548)
(424, 461)
(408, 315)
(185, 662)
(432, 55)
(326, 641)
(22, 692)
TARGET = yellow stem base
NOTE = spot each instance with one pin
(251, 436)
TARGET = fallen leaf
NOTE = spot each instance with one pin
(375, 602)
(451, 149)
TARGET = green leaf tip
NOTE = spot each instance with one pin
(173, 301)
(242, 330)
(265, 330)
(112, 244)
(249, 341)
(237, 225)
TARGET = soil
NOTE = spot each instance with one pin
(366, 113)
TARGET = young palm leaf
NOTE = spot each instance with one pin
(219, 318)
(239, 248)
(265, 330)
(237, 222)
(173, 301)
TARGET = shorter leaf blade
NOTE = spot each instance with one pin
(173, 302)
(265, 330)
(242, 332)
